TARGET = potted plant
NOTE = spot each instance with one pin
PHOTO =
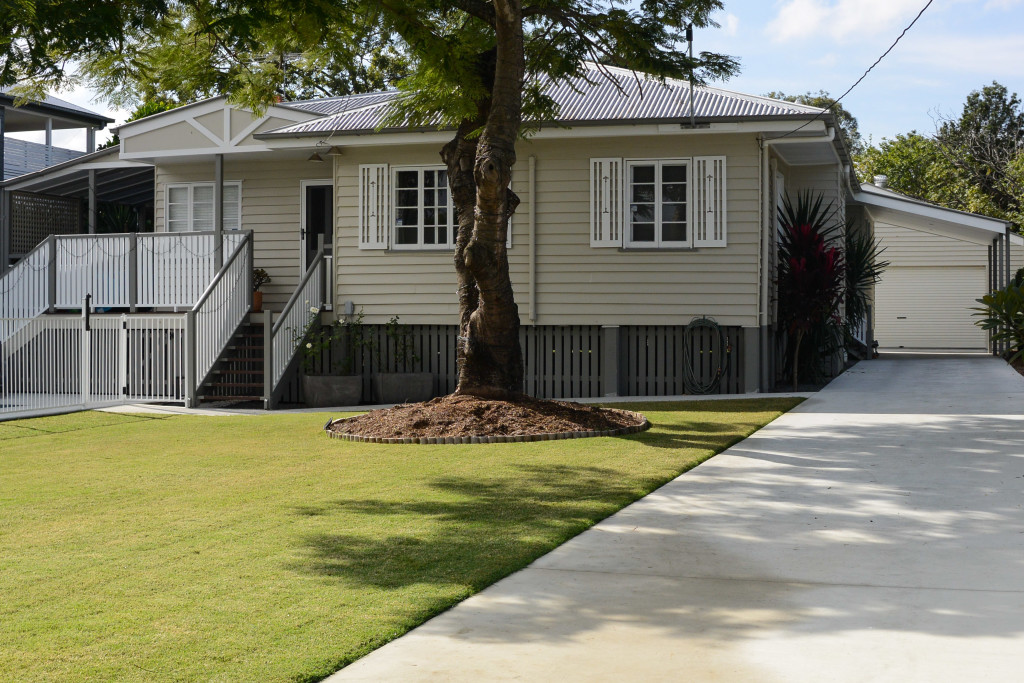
(400, 386)
(260, 277)
(338, 383)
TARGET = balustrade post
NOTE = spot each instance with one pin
(190, 359)
(51, 273)
(268, 360)
(85, 378)
(133, 271)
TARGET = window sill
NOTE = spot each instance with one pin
(439, 250)
(657, 249)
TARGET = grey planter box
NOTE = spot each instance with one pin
(403, 387)
(332, 390)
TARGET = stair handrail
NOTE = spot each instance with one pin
(8, 313)
(198, 370)
(280, 354)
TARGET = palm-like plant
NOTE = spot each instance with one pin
(811, 273)
(863, 269)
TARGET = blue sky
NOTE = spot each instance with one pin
(796, 46)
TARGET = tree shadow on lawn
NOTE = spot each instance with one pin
(483, 531)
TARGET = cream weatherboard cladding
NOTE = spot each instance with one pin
(374, 206)
(270, 207)
(574, 284)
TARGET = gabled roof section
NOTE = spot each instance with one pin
(602, 96)
(212, 126)
(888, 206)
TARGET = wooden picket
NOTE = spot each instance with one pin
(559, 361)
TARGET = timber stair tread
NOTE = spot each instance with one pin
(238, 374)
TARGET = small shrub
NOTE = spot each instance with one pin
(1002, 314)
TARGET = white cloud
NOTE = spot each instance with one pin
(1001, 4)
(730, 24)
(842, 20)
(989, 57)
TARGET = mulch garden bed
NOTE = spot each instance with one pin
(469, 419)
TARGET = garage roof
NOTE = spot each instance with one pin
(892, 207)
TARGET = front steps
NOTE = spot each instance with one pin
(238, 375)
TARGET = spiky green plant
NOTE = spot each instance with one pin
(864, 269)
(811, 273)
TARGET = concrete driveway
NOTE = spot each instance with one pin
(874, 534)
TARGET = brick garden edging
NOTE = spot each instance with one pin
(511, 438)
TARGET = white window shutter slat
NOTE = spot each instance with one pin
(606, 210)
(709, 201)
(374, 206)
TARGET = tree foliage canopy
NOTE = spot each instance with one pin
(974, 162)
(474, 66)
(847, 122)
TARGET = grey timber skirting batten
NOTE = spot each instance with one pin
(560, 361)
(508, 438)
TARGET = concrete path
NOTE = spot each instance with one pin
(874, 534)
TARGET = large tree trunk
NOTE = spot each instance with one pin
(491, 361)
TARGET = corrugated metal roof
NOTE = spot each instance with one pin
(612, 95)
(338, 105)
(52, 102)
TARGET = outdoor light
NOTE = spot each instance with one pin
(316, 158)
(335, 151)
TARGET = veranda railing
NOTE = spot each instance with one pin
(130, 270)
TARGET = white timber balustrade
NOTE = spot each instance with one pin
(288, 331)
(53, 362)
(129, 270)
(217, 315)
(64, 362)
(24, 290)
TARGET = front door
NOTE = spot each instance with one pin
(317, 220)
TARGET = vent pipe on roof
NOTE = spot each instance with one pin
(882, 181)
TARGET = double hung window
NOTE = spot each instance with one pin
(190, 207)
(658, 211)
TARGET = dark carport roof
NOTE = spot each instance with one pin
(56, 107)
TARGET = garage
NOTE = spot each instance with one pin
(922, 307)
(940, 262)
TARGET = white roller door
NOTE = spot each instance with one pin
(929, 307)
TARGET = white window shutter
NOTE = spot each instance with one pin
(606, 210)
(374, 206)
(709, 212)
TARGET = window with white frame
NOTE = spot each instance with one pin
(189, 206)
(658, 203)
(658, 211)
(422, 208)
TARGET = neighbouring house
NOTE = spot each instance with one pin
(19, 157)
(639, 220)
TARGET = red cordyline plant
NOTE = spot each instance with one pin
(811, 271)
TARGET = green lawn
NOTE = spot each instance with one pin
(255, 548)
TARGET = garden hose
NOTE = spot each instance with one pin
(691, 357)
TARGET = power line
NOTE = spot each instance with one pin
(864, 75)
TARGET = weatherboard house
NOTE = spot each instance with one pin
(641, 255)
